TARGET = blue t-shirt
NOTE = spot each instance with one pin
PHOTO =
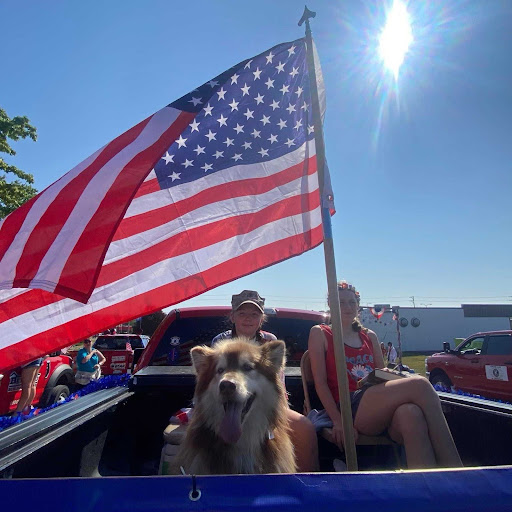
(89, 365)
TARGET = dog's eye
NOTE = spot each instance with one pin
(220, 370)
(247, 367)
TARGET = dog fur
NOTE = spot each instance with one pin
(224, 439)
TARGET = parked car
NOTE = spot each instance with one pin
(54, 381)
(118, 350)
(481, 364)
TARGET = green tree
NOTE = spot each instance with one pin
(15, 184)
(151, 322)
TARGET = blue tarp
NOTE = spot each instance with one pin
(457, 490)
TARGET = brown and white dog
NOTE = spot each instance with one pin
(239, 423)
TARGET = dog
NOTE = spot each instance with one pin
(239, 424)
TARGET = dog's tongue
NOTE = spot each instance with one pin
(231, 426)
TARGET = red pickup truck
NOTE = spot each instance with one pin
(54, 381)
(118, 350)
(185, 328)
(481, 364)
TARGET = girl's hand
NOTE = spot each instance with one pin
(97, 366)
(337, 431)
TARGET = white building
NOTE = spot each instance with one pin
(424, 329)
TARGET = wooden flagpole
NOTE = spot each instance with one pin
(330, 264)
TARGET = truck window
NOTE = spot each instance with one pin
(135, 342)
(474, 345)
(116, 342)
(499, 345)
(185, 333)
(294, 332)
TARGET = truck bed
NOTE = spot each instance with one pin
(118, 432)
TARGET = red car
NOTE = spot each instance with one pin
(118, 350)
(481, 364)
(54, 380)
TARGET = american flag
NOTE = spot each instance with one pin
(212, 187)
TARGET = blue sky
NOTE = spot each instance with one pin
(421, 169)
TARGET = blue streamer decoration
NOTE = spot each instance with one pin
(106, 382)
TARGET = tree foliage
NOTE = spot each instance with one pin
(149, 323)
(15, 184)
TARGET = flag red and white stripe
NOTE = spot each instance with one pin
(276, 217)
(57, 241)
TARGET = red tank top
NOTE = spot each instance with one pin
(359, 362)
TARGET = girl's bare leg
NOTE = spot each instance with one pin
(28, 377)
(304, 440)
(380, 402)
(408, 427)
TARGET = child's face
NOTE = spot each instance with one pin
(348, 304)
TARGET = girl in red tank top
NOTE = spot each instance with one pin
(360, 362)
(408, 408)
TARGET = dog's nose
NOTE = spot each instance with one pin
(227, 386)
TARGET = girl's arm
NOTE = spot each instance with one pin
(101, 357)
(317, 347)
(377, 351)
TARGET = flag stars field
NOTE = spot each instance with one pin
(264, 85)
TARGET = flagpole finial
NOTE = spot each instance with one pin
(307, 14)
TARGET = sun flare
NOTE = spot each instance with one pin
(395, 38)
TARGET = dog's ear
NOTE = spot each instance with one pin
(201, 357)
(274, 351)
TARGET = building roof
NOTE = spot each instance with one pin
(487, 310)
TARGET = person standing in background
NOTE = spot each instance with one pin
(28, 385)
(391, 354)
(88, 362)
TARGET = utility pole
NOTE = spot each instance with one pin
(413, 303)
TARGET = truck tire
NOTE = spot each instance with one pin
(441, 379)
(57, 394)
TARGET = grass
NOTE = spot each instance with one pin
(415, 361)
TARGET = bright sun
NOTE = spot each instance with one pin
(395, 38)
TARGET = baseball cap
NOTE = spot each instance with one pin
(248, 297)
